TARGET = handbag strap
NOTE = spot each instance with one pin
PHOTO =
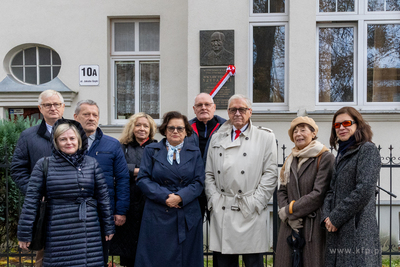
(45, 171)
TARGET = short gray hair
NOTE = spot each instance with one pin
(48, 93)
(88, 102)
(212, 100)
(239, 96)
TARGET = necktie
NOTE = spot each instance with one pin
(237, 133)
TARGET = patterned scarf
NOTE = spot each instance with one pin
(174, 150)
(314, 149)
(75, 158)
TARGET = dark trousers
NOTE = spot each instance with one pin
(106, 246)
(232, 260)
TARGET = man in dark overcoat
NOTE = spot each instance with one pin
(35, 143)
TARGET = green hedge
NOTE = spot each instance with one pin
(9, 134)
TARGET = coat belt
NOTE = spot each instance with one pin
(81, 201)
(238, 197)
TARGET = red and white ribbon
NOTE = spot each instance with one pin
(230, 71)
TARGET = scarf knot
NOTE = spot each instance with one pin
(174, 150)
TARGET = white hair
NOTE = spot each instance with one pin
(49, 93)
(239, 96)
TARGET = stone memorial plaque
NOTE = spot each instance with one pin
(209, 77)
(217, 48)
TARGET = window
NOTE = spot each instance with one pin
(35, 65)
(268, 68)
(358, 54)
(136, 67)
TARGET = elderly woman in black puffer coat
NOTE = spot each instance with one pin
(77, 198)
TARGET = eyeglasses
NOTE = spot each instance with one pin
(172, 129)
(241, 110)
(207, 105)
(348, 123)
(49, 105)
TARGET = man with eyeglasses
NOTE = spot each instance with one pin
(108, 152)
(241, 176)
(35, 143)
(204, 125)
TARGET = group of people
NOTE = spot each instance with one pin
(146, 200)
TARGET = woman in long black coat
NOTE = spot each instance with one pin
(77, 198)
(349, 212)
(137, 134)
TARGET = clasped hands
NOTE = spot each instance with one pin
(173, 201)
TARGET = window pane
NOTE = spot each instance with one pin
(30, 56)
(124, 36)
(327, 5)
(260, 6)
(376, 5)
(30, 75)
(269, 64)
(149, 36)
(17, 60)
(56, 70)
(393, 5)
(383, 69)
(18, 72)
(56, 58)
(44, 75)
(44, 56)
(336, 64)
(149, 89)
(277, 6)
(345, 5)
(125, 87)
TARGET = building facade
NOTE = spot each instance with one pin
(131, 56)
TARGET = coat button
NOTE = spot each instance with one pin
(247, 138)
(220, 154)
(222, 190)
(218, 172)
(79, 169)
(242, 172)
(82, 189)
(223, 207)
(244, 154)
(240, 191)
(166, 210)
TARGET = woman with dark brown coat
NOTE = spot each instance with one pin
(304, 181)
(349, 212)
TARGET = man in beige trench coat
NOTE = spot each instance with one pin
(241, 176)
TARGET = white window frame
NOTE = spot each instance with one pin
(263, 107)
(360, 18)
(132, 56)
(277, 16)
(330, 105)
(37, 66)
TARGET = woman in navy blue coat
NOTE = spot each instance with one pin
(171, 176)
(77, 198)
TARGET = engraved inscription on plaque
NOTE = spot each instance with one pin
(217, 48)
(209, 77)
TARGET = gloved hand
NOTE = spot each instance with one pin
(282, 214)
(296, 224)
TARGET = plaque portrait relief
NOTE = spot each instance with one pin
(217, 48)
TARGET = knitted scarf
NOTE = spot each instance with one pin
(313, 149)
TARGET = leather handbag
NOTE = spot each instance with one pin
(39, 226)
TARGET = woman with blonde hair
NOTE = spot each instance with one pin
(137, 134)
